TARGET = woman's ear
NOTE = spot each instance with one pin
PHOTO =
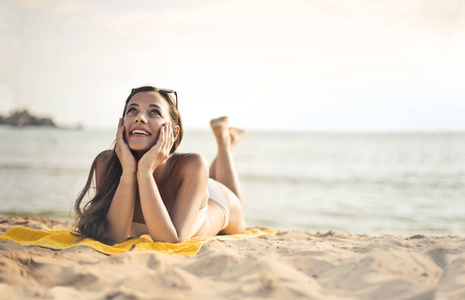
(175, 131)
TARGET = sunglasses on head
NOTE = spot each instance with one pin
(168, 91)
(151, 88)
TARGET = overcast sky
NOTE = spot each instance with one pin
(271, 65)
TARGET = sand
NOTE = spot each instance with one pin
(289, 265)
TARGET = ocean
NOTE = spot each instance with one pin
(402, 183)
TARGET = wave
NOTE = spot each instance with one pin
(60, 215)
(42, 167)
(432, 180)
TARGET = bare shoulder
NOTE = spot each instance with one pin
(188, 163)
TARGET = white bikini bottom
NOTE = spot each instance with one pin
(217, 197)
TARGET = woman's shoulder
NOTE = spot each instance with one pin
(190, 158)
(186, 162)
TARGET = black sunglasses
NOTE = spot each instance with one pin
(151, 88)
(168, 91)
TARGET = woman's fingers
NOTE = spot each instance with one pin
(119, 132)
(168, 137)
(160, 152)
(120, 142)
(122, 149)
(171, 137)
(167, 133)
(164, 139)
(120, 123)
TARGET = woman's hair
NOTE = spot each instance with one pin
(91, 221)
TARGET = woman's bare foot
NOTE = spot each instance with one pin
(220, 130)
(236, 135)
(219, 124)
(227, 135)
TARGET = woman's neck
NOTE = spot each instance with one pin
(162, 171)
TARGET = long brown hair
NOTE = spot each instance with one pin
(91, 221)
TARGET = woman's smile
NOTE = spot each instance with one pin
(139, 132)
(139, 138)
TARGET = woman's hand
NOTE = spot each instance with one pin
(126, 159)
(160, 152)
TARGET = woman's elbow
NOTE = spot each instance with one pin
(171, 240)
(176, 241)
(117, 239)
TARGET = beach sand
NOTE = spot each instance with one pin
(288, 265)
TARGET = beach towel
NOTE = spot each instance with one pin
(60, 239)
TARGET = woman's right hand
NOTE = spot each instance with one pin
(126, 159)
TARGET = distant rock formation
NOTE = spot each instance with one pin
(24, 118)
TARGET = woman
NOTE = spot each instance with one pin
(143, 186)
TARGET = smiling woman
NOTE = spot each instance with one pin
(143, 186)
(142, 134)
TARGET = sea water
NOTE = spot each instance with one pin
(358, 183)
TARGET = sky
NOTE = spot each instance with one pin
(343, 65)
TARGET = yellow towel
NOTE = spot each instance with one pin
(60, 239)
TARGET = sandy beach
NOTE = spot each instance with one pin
(288, 265)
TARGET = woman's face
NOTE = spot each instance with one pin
(145, 115)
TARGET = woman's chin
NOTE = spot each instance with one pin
(139, 150)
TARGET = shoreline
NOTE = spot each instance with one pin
(42, 222)
(290, 264)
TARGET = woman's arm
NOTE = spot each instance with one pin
(190, 194)
(121, 212)
(176, 226)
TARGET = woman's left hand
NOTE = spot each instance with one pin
(160, 152)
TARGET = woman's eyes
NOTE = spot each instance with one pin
(152, 112)
(155, 112)
(132, 109)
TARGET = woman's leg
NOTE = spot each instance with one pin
(222, 168)
(236, 135)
